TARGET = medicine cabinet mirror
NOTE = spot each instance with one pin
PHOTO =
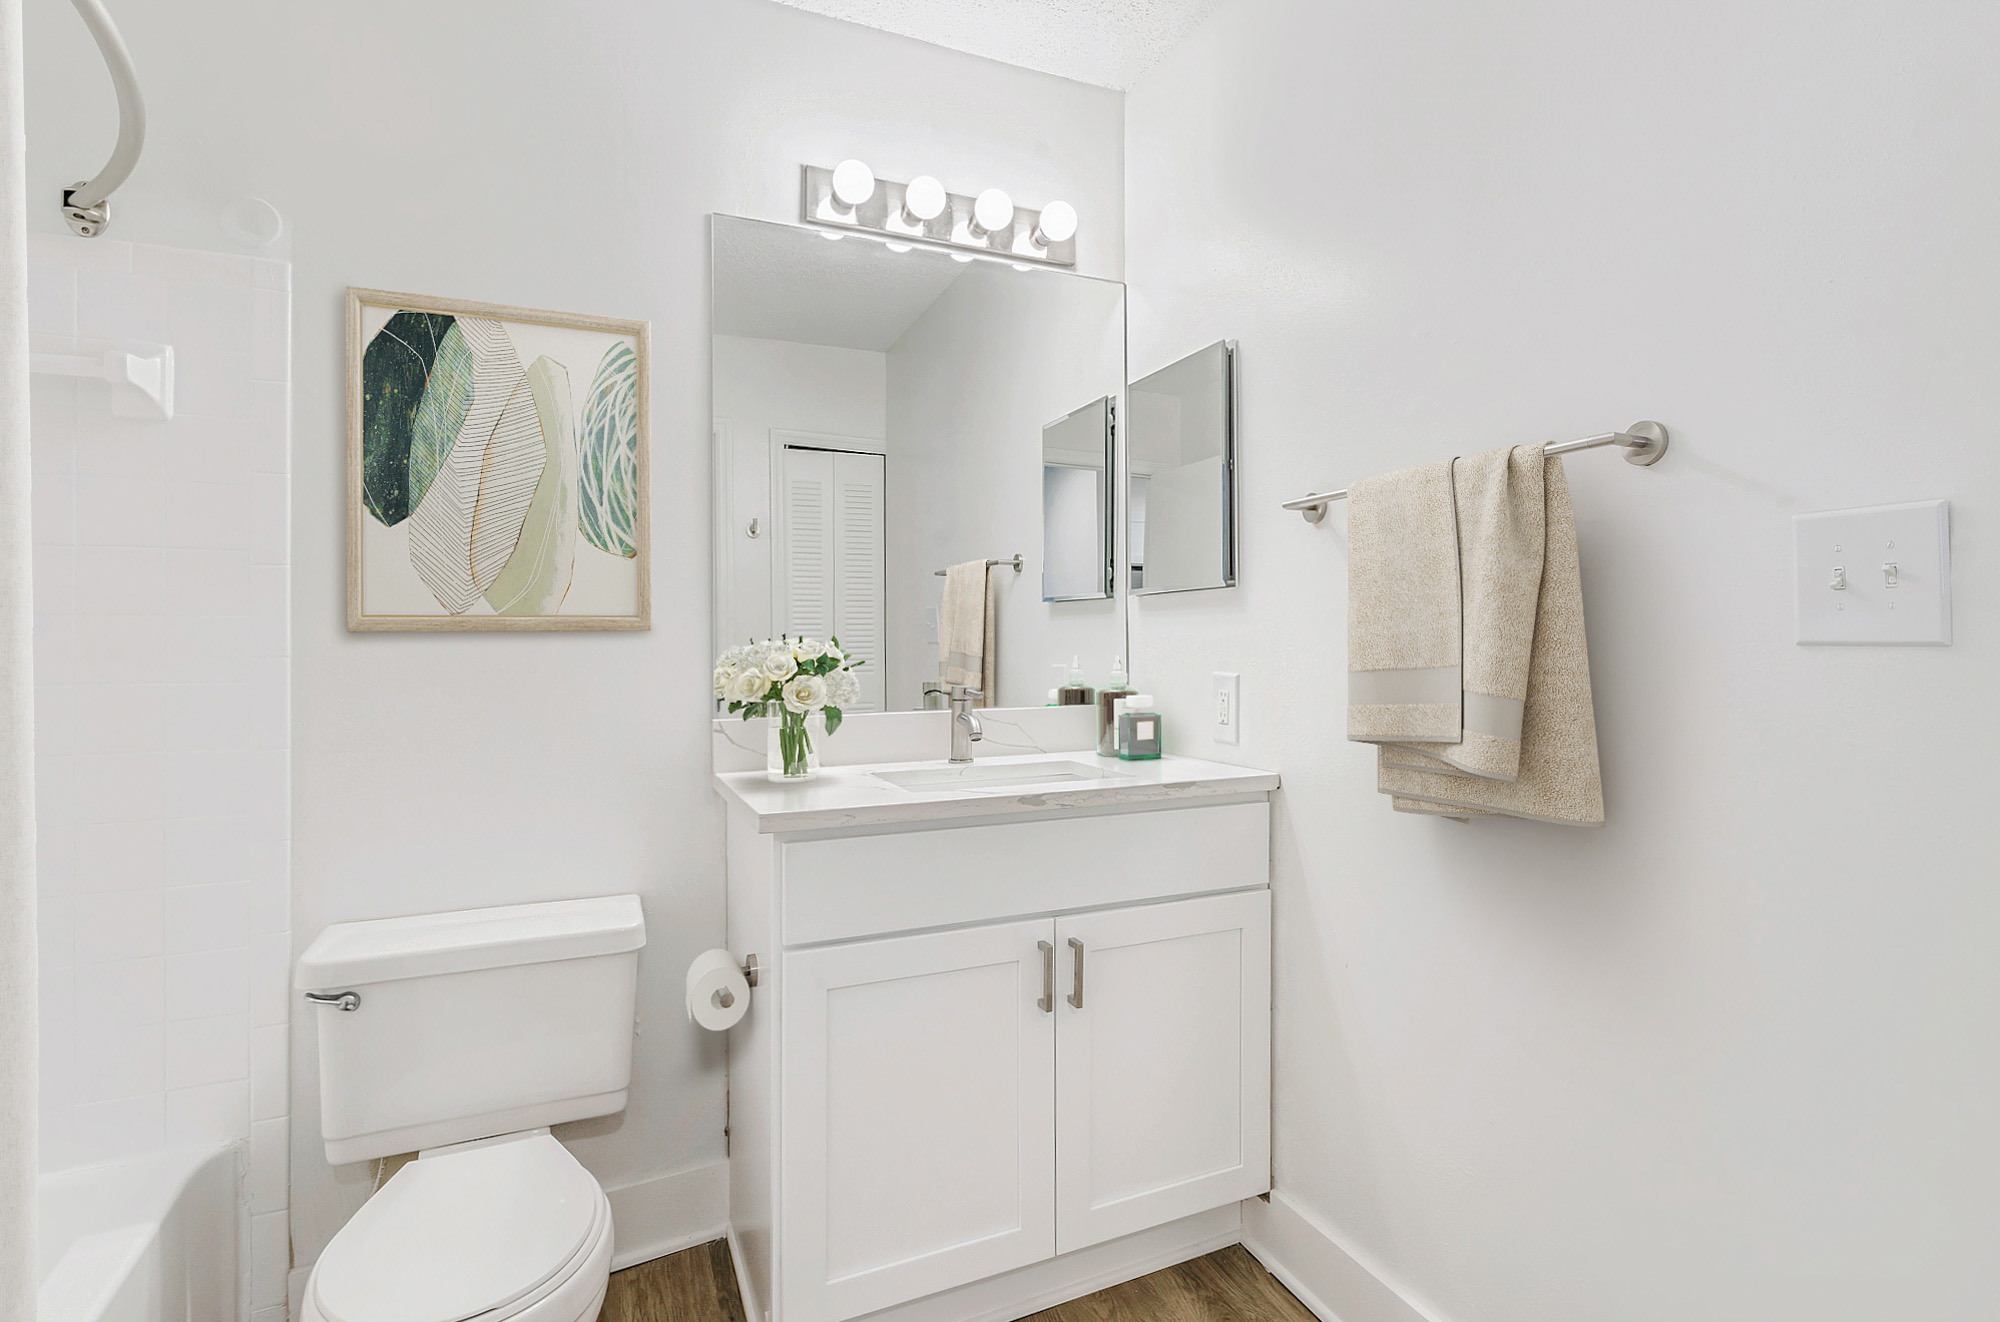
(880, 415)
(1078, 453)
(1181, 504)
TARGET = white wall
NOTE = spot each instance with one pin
(162, 717)
(551, 158)
(763, 386)
(971, 384)
(1732, 1055)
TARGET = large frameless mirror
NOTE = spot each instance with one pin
(1181, 448)
(882, 417)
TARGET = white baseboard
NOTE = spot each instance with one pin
(752, 1305)
(1330, 1276)
(1028, 1290)
(668, 1213)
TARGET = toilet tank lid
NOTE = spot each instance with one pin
(350, 954)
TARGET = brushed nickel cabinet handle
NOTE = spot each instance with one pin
(1076, 996)
(1047, 1005)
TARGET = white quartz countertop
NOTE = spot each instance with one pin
(854, 796)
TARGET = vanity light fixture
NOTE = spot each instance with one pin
(924, 200)
(853, 184)
(1057, 224)
(992, 211)
(923, 213)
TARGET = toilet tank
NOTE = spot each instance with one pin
(475, 1023)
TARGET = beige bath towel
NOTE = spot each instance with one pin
(1502, 526)
(968, 642)
(1403, 649)
(1558, 779)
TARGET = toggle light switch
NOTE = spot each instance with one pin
(1910, 603)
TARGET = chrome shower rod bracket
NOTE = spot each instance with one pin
(86, 205)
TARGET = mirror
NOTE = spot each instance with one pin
(1076, 514)
(883, 415)
(1181, 505)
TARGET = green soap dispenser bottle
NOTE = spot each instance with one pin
(1107, 708)
(1138, 728)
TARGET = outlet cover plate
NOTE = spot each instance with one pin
(1909, 604)
(1226, 708)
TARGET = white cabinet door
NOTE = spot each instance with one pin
(1164, 1103)
(918, 1139)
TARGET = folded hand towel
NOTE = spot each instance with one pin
(1403, 632)
(1502, 526)
(967, 634)
(1558, 779)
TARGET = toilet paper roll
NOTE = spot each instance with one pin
(718, 996)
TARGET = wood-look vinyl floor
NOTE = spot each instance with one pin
(699, 1285)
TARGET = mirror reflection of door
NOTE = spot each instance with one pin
(830, 581)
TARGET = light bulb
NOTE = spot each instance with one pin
(961, 257)
(898, 247)
(991, 210)
(1057, 225)
(853, 184)
(923, 200)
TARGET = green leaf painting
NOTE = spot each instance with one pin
(441, 414)
(396, 370)
(537, 577)
(469, 522)
(609, 453)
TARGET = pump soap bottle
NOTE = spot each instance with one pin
(1107, 709)
(1074, 692)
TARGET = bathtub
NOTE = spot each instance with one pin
(151, 1239)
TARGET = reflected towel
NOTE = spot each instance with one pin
(1558, 780)
(1502, 530)
(1403, 647)
(967, 630)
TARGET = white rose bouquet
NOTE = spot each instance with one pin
(788, 679)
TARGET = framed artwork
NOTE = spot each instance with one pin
(496, 467)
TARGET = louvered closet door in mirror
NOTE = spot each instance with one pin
(830, 582)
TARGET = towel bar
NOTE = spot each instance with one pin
(1643, 442)
(1016, 562)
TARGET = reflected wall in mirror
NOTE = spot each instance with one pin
(879, 416)
(1181, 443)
(1077, 455)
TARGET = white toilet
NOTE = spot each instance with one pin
(462, 1036)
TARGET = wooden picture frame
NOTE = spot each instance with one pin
(488, 488)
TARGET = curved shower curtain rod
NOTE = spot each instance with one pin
(87, 205)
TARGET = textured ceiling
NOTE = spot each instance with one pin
(1106, 42)
(780, 282)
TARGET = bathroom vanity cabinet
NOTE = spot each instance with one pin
(992, 1035)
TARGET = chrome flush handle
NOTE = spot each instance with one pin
(1076, 996)
(346, 1000)
(1047, 1004)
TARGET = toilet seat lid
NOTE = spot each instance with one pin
(459, 1234)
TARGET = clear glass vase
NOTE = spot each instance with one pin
(791, 745)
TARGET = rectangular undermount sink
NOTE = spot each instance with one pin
(986, 775)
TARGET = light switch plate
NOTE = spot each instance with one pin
(1877, 575)
(1227, 712)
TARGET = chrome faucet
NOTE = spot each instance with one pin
(965, 726)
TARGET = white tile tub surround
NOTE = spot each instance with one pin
(162, 705)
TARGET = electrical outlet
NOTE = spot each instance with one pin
(1227, 714)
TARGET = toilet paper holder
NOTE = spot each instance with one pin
(749, 967)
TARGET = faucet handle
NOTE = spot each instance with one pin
(960, 692)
